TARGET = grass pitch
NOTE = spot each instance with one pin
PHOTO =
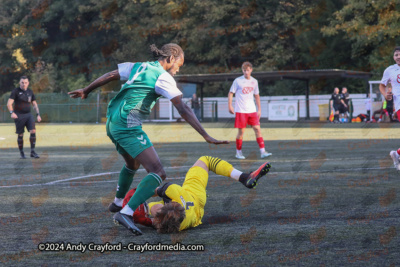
(331, 198)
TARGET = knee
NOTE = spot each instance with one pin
(32, 131)
(133, 165)
(162, 173)
(157, 169)
(21, 135)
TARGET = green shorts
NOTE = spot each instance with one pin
(132, 141)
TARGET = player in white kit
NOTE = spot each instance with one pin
(246, 90)
(392, 75)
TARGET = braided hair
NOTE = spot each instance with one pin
(166, 50)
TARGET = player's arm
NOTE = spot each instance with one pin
(10, 103)
(166, 86)
(104, 79)
(344, 104)
(258, 104)
(230, 107)
(188, 115)
(36, 108)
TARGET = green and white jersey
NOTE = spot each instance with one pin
(145, 83)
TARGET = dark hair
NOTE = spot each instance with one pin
(397, 48)
(167, 50)
(24, 77)
(169, 218)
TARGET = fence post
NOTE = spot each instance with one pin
(216, 110)
(79, 111)
(98, 107)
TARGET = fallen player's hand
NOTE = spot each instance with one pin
(140, 216)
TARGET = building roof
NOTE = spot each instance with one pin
(275, 75)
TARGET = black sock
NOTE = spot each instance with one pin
(33, 141)
(243, 178)
(20, 142)
(336, 117)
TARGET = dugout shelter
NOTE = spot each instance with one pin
(303, 75)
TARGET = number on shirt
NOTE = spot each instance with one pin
(188, 205)
(139, 70)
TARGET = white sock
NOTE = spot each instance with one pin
(239, 152)
(118, 201)
(262, 150)
(127, 210)
(235, 174)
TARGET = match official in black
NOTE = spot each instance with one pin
(23, 98)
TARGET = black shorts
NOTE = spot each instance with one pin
(24, 120)
(337, 107)
(343, 109)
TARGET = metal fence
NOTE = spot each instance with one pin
(60, 108)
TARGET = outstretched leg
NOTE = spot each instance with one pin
(145, 189)
(124, 181)
(224, 168)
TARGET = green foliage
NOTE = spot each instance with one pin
(77, 41)
(372, 27)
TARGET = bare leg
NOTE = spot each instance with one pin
(151, 162)
(257, 130)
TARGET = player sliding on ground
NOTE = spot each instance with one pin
(146, 83)
(182, 207)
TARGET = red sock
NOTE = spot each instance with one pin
(260, 142)
(239, 144)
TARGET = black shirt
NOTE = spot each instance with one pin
(336, 98)
(195, 103)
(346, 98)
(389, 104)
(22, 100)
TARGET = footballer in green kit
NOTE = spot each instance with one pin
(145, 83)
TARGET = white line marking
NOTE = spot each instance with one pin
(81, 177)
(177, 178)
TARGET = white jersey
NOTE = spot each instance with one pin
(244, 91)
(392, 75)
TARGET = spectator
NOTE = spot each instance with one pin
(387, 107)
(345, 102)
(196, 106)
(336, 102)
(368, 105)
